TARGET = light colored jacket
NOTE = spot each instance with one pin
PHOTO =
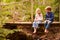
(38, 17)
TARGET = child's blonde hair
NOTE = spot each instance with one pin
(38, 9)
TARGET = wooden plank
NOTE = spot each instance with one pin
(29, 23)
(19, 22)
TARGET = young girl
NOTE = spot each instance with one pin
(38, 19)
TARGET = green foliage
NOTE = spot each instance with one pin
(8, 1)
(23, 7)
(18, 0)
(4, 33)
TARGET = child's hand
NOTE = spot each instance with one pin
(48, 18)
(49, 22)
(46, 21)
(35, 20)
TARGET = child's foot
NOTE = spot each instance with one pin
(46, 31)
(34, 32)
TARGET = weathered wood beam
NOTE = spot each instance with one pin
(28, 23)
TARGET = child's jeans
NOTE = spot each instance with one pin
(35, 24)
(47, 23)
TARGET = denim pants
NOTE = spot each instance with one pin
(47, 24)
(35, 24)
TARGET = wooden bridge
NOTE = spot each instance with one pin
(27, 24)
(27, 27)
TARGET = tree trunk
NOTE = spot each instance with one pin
(59, 13)
(32, 10)
(44, 2)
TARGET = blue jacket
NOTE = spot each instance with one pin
(49, 16)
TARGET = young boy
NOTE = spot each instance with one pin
(38, 19)
(49, 18)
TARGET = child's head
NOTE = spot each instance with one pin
(38, 10)
(48, 9)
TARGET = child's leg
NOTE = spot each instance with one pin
(47, 26)
(35, 29)
(35, 26)
(45, 23)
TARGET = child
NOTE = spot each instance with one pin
(49, 18)
(38, 19)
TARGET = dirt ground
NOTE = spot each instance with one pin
(54, 33)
